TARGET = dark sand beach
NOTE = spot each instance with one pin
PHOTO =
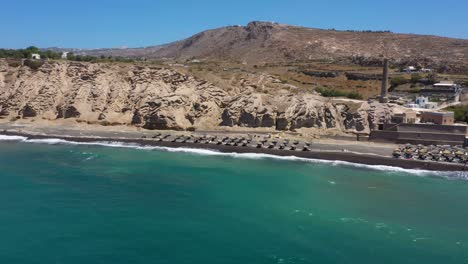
(357, 152)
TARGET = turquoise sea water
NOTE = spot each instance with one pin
(93, 204)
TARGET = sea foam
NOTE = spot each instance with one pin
(209, 152)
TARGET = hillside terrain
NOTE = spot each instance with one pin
(263, 42)
(264, 75)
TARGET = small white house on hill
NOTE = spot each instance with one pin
(410, 69)
(35, 56)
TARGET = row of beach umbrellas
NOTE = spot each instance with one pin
(444, 153)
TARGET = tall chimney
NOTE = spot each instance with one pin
(383, 96)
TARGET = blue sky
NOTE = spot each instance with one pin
(135, 23)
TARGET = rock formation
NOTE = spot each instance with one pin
(160, 98)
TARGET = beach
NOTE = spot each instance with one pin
(378, 154)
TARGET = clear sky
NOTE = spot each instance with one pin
(135, 23)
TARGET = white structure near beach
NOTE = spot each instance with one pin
(411, 105)
(65, 55)
(422, 102)
(35, 56)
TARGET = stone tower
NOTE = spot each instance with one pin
(383, 95)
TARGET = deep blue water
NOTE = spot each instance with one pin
(94, 204)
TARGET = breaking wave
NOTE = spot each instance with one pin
(199, 151)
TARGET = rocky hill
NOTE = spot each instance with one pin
(263, 42)
(160, 98)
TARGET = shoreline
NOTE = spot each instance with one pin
(328, 155)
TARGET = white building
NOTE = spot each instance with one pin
(445, 84)
(421, 101)
(35, 56)
(412, 106)
(410, 69)
(65, 55)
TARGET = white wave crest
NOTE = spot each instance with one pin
(197, 151)
(51, 141)
(384, 168)
(12, 138)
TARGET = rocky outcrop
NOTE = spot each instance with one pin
(160, 98)
(153, 98)
(291, 112)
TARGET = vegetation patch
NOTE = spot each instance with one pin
(49, 54)
(14, 63)
(399, 80)
(34, 64)
(328, 92)
(460, 112)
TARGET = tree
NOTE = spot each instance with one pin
(32, 49)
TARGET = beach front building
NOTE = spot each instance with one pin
(425, 127)
(438, 118)
(408, 117)
(420, 133)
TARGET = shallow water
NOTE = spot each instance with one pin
(83, 203)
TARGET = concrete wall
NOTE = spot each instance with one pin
(425, 138)
(428, 128)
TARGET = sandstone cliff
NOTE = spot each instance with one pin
(160, 98)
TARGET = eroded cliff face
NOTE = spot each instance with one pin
(160, 98)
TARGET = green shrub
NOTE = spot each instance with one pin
(34, 64)
(460, 112)
(414, 91)
(327, 92)
(395, 81)
(354, 95)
